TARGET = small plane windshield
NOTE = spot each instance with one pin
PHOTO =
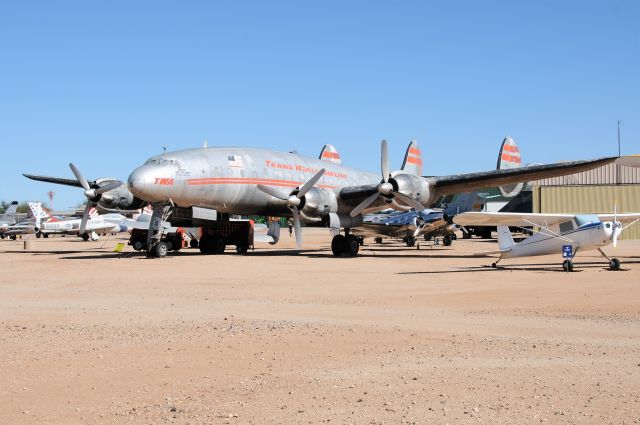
(585, 219)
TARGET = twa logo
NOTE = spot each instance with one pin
(164, 181)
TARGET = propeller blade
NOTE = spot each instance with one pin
(113, 185)
(296, 227)
(409, 201)
(273, 192)
(85, 216)
(384, 161)
(308, 185)
(364, 204)
(83, 182)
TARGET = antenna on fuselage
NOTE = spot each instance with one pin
(164, 149)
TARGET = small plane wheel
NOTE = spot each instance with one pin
(242, 249)
(494, 265)
(161, 249)
(352, 246)
(193, 243)
(45, 235)
(337, 245)
(38, 235)
(137, 245)
(85, 236)
(447, 241)
(1, 236)
(410, 241)
(378, 240)
(567, 265)
(614, 264)
(13, 237)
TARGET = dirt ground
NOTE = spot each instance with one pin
(398, 335)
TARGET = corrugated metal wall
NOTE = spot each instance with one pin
(590, 199)
(609, 174)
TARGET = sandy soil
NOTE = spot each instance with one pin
(397, 335)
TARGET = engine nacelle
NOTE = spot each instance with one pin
(119, 198)
(318, 203)
(412, 186)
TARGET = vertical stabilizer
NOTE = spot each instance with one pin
(330, 153)
(412, 163)
(509, 157)
(11, 210)
(505, 240)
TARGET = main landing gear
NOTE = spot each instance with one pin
(614, 263)
(346, 245)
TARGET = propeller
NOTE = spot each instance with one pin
(93, 195)
(385, 189)
(294, 199)
(617, 227)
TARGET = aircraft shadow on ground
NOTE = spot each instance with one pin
(578, 267)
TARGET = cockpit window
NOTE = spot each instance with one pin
(162, 161)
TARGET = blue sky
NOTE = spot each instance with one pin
(106, 84)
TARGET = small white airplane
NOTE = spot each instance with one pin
(558, 233)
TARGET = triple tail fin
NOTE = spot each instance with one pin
(330, 153)
(412, 163)
(505, 240)
(509, 157)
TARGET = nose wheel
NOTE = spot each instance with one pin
(567, 265)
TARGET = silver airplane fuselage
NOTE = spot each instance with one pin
(226, 179)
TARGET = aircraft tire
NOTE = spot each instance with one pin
(410, 241)
(137, 245)
(193, 243)
(614, 264)
(337, 245)
(45, 235)
(38, 235)
(161, 250)
(567, 265)
(219, 245)
(378, 240)
(13, 237)
(85, 236)
(351, 246)
(447, 241)
(241, 249)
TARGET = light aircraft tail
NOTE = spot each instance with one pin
(93, 212)
(38, 213)
(330, 153)
(505, 240)
(11, 210)
(509, 157)
(412, 163)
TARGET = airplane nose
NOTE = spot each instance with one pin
(139, 183)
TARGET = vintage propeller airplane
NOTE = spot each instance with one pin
(234, 180)
(582, 232)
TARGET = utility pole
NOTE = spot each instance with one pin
(619, 124)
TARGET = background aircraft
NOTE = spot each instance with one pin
(582, 232)
(8, 218)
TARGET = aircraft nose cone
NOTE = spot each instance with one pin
(139, 183)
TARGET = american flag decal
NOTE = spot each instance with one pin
(235, 161)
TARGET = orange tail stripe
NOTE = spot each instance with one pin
(414, 151)
(511, 158)
(414, 160)
(511, 148)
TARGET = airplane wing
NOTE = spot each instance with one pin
(473, 181)
(56, 180)
(622, 218)
(510, 219)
